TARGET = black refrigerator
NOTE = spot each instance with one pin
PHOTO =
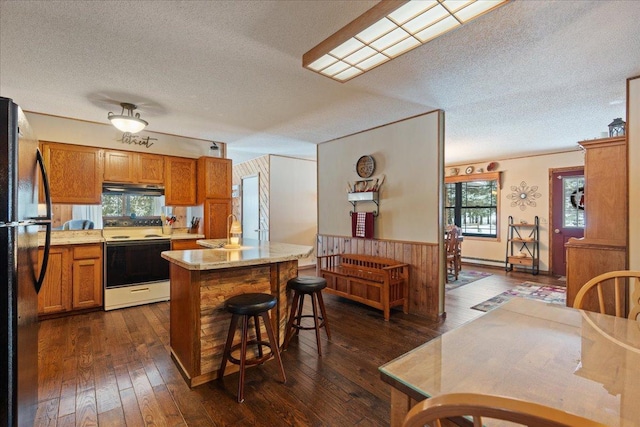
(21, 174)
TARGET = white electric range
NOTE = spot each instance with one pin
(134, 271)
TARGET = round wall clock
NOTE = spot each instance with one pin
(365, 166)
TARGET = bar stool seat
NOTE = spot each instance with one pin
(312, 286)
(243, 307)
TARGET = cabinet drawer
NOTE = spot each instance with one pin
(520, 260)
(87, 252)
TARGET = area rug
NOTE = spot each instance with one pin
(530, 290)
(464, 278)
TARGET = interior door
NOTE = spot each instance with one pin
(250, 208)
(567, 213)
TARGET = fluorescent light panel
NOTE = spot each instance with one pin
(396, 28)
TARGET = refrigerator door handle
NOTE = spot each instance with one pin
(46, 221)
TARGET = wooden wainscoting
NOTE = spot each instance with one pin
(422, 257)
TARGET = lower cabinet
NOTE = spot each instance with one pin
(55, 293)
(185, 244)
(87, 277)
(73, 280)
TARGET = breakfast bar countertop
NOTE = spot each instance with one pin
(251, 252)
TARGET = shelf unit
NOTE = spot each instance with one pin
(523, 239)
(364, 196)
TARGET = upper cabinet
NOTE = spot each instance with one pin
(119, 166)
(180, 181)
(130, 167)
(75, 173)
(214, 178)
(150, 168)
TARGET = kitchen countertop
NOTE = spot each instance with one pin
(75, 237)
(82, 237)
(251, 252)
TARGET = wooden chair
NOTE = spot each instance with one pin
(452, 246)
(617, 279)
(433, 411)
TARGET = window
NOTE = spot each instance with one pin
(472, 204)
(131, 204)
(573, 205)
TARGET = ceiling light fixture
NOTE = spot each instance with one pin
(386, 31)
(129, 122)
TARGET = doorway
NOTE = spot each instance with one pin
(567, 214)
(250, 207)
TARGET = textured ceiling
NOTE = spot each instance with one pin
(530, 77)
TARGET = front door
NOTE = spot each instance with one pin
(567, 213)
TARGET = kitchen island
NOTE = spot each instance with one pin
(201, 281)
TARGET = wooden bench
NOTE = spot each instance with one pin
(378, 282)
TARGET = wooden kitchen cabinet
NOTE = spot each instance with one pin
(216, 212)
(130, 167)
(214, 178)
(150, 168)
(73, 281)
(184, 244)
(75, 173)
(180, 181)
(55, 293)
(87, 276)
(119, 166)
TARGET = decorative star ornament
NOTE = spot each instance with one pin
(523, 195)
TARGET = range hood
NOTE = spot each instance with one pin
(138, 189)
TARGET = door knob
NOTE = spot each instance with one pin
(557, 231)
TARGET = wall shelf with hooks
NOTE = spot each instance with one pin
(364, 196)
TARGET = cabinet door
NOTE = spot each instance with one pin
(75, 173)
(150, 169)
(180, 181)
(184, 244)
(214, 178)
(119, 166)
(87, 276)
(55, 294)
(216, 212)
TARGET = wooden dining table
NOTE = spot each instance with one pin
(581, 362)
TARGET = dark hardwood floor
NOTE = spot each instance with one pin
(114, 368)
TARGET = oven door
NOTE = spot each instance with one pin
(134, 262)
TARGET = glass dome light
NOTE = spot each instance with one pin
(130, 122)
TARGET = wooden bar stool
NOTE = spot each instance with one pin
(301, 286)
(242, 307)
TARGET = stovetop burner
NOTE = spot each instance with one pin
(133, 234)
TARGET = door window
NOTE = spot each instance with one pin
(573, 201)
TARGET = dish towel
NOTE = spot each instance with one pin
(362, 225)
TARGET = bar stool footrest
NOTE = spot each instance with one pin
(254, 360)
(307, 328)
